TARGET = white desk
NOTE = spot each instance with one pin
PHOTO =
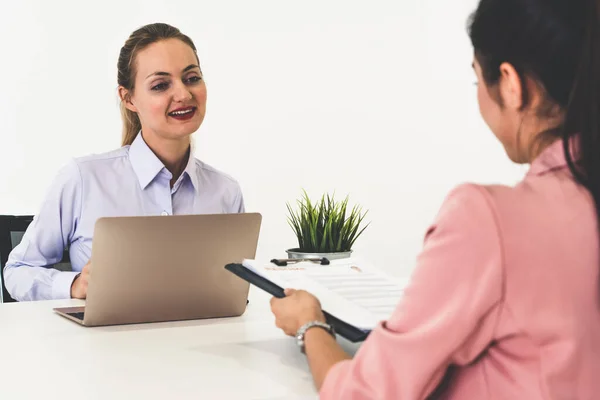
(45, 356)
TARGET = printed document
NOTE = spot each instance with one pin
(349, 289)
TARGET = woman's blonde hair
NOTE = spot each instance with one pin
(137, 41)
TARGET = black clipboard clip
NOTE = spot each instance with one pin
(282, 262)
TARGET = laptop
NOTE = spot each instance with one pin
(166, 268)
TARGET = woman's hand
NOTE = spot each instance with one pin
(80, 284)
(295, 310)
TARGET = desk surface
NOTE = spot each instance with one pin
(45, 356)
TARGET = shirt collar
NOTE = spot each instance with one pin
(147, 166)
(190, 169)
(552, 157)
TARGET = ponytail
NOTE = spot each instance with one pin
(582, 119)
(131, 125)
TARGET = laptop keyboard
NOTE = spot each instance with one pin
(78, 315)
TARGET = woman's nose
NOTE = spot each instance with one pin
(182, 93)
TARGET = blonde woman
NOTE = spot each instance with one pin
(163, 101)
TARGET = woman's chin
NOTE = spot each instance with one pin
(185, 129)
(515, 156)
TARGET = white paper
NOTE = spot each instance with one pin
(349, 289)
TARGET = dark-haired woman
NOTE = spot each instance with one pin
(504, 302)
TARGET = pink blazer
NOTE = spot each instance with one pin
(504, 302)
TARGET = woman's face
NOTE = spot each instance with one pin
(170, 94)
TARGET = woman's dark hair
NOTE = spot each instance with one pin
(556, 43)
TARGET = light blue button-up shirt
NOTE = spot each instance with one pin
(130, 181)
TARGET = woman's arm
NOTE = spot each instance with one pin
(295, 310)
(28, 273)
(323, 352)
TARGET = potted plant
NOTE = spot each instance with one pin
(324, 229)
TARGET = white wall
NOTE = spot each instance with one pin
(369, 98)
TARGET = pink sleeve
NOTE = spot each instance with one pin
(446, 316)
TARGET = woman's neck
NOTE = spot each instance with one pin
(541, 134)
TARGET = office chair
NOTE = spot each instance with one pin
(12, 228)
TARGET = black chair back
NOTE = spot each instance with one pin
(12, 228)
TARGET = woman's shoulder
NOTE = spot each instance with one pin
(499, 200)
(102, 158)
(114, 161)
(467, 207)
(208, 172)
(75, 168)
(555, 193)
(518, 197)
(471, 204)
(537, 205)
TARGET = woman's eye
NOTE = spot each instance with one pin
(194, 79)
(160, 87)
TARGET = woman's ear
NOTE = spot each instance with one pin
(511, 87)
(125, 97)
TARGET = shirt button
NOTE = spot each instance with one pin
(164, 213)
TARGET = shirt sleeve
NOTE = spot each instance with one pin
(447, 315)
(238, 203)
(28, 272)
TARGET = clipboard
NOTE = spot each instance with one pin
(342, 328)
